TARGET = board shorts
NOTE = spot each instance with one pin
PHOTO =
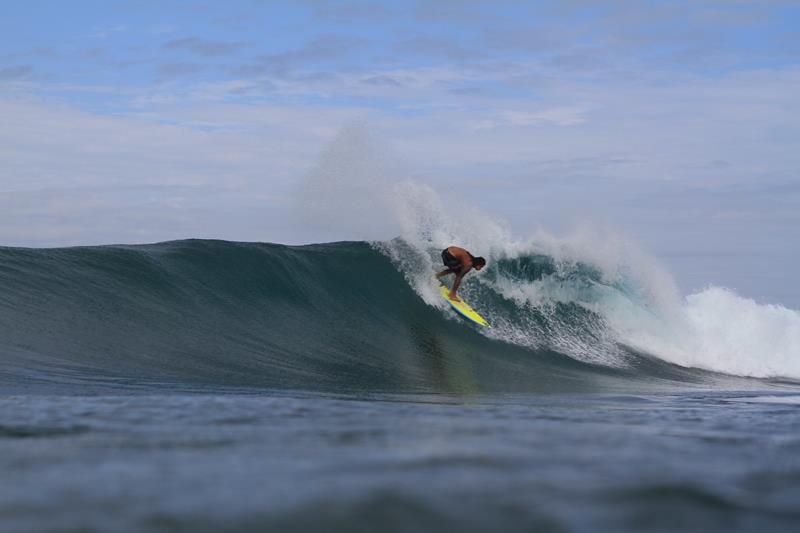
(449, 261)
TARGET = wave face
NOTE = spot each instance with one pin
(340, 317)
(332, 317)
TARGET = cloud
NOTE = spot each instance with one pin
(582, 108)
(325, 48)
(104, 32)
(19, 72)
(581, 59)
(185, 171)
(148, 213)
(45, 52)
(296, 63)
(103, 57)
(529, 39)
(172, 70)
(348, 11)
(203, 47)
(383, 80)
(722, 16)
(476, 92)
(431, 47)
(463, 12)
(559, 116)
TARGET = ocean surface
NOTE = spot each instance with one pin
(220, 386)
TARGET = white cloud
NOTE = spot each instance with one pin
(103, 32)
(602, 148)
(559, 116)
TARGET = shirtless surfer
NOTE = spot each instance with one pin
(459, 261)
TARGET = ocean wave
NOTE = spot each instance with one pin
(341, 316)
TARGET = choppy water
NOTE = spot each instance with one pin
(287, 461)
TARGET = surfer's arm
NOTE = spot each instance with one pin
(457, 283)
(444, 272)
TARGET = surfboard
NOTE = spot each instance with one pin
(463, 309)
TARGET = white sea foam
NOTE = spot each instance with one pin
(736, 335)
(635, 301)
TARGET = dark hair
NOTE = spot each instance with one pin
(479, 261)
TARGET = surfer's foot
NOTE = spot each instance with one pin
(454, 297)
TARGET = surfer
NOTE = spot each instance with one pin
(459, 261)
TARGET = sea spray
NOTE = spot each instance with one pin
(736, 335)
(589, 294)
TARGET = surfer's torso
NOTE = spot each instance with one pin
(457, 259)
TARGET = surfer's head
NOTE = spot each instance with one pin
(478, 263)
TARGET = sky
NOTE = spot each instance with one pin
(676, 122)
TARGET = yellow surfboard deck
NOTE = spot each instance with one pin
(463, 309)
